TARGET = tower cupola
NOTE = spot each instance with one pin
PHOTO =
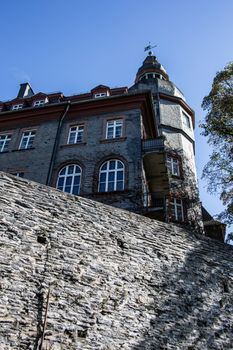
(151, 69)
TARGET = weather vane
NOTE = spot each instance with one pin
(149, 48)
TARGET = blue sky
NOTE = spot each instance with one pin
(72, 46)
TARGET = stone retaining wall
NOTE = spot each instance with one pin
(111, 279)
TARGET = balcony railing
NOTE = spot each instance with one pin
(152, 145)
(152, 201)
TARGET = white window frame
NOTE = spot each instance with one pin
(177, 203)
(18, 174)
(114, 124)
(172, 164)
(109, 171)
(39, 103)
(101, 94)
(77, 172)
(78, 131)
(186, 120)
(27, 135)
(16, 107)
(4, 142)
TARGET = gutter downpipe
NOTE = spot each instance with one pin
(52, 161)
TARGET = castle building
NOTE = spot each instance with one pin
(131, 148)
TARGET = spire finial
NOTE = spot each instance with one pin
(149, 48)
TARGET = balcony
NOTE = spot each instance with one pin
(154, 160)
(153, 145)
(155, 205)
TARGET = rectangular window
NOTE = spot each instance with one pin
(16, 107)
(4, 142)
(76, 134)
(20, 174)
(177, 212)
(186, 120)
(27, 139)
(100, 94)
(114, 129)
(173, 165)
(39, 103)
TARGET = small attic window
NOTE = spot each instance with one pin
(101, 94)
(16, 107)
(39, 103)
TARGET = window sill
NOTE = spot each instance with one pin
(4, 152)
(176, 177)
(183, 222)
(116, 139)
(73, 144)
(23, 149)
(110, 193)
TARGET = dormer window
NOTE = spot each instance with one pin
(16, 107)
(100, 91)
(39, 103)
(101, 94)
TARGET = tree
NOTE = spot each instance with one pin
(218, 127)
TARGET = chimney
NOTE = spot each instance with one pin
(25, 90)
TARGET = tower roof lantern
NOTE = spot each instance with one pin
(151, 65)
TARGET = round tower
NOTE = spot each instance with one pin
(175, 122)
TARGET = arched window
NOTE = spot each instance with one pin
(69, 179)
(111, 176)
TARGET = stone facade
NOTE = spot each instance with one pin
(155, 145)
(34, 162)
(96, 149)
(51, 151)
(109, 279)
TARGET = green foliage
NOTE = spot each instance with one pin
(229, 237)
(218, 127)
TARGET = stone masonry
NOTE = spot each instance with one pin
(110, 279)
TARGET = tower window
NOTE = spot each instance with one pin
(69, 179)
(76, 134)
(4, 142)
(114, 129)
(173, 165)
(111, 176)
(152, 76)
(177, 212)
(186, 120)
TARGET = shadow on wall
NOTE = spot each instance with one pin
(193, 305)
